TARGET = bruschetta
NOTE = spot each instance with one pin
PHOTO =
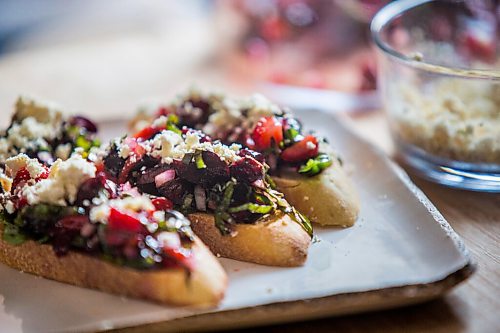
(304, 167)
(39, 130)
(72, 224)
(224, 191)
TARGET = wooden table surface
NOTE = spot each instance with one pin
(473, 306)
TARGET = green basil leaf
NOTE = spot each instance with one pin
(13, 235)
(303, 221)
(228, 195)
(223, 222)
(315, 165)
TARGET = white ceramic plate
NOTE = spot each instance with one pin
(401, 251)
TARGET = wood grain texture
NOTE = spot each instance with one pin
(473, 306)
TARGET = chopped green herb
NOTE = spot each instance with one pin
(228, 195)
(270, 181)
(173, 128)
(302, 220)
(251, 207)
(188, 200)
(315, 165)
(285, 207)
(82, 142)
(172, 121)
(172, 118)
(200, 164)
(291, 134)
(223, 221)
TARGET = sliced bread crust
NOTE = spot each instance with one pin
(275, 240)
(204, 286)
(327, 199)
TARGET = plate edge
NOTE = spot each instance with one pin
(321, 307)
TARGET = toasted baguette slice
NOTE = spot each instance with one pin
(275, 240)
(205, 286)
(328, 198)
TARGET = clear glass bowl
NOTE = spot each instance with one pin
(439, 79)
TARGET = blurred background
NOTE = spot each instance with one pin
(104, 58)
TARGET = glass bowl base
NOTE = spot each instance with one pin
(426, 166)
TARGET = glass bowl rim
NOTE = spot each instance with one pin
(394, 9)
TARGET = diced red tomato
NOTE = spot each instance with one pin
(302, 150)
(267, 130)
(99, 166)
(148, 132)
(20, 202)
(118, 220)
(23, 175)
(44, 174)
(163, 111)
(162, 203)
(184, 259)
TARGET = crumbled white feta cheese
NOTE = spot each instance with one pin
(140, 203)
(224, 152)
(169, 145)
(310, 145)
(169, 239)
(43, 112)
(9, 207)
(18, 162)
(97, 153)
(192, 140)
(226, 116)
(451, 118)
(78, 151)
(124, 151)
(65, 178)
(46, 191)
(99, 213)
(30, 133)
(33, 125)
(259, 106)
